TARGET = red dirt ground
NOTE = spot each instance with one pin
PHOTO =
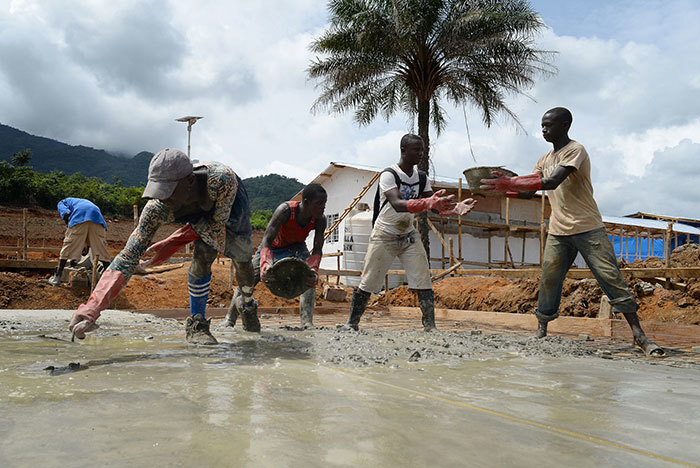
(166, 290)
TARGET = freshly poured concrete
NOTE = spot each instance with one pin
(326, 398)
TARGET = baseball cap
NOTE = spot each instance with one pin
(167, 168)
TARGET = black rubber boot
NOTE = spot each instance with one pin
(357, 308)
(541, 330)
(426, 301)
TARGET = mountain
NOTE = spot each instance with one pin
(268, 191)
(49, 155)
(265, 192)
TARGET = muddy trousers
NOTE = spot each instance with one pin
(597, 251)
(307, 298)
(199, 273)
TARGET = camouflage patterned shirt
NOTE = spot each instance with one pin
(222, 185)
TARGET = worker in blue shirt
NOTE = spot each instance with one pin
(86, 227)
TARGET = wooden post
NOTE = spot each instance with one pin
(93, 279)
(337, 281)
(386, 283)
(542, 229)
(506, 233)
(667, 248)
(442, 232)
(451, 251)
(136, 214)
(459, 222)
(522, 258)
(489, 248)
(24, 233)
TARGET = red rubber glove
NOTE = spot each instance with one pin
(265, 261)
(314, 263)
(83, 320)
(435, 202)
(512, 194)
(461, 208)
(165, 249)
(526, 183)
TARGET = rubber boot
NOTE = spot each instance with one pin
(426, 301)
(541, 329)
(357, 308)
(248, 308)
(232, 313)
(306, 308)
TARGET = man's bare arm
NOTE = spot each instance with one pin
(319, 232)
(279, 217)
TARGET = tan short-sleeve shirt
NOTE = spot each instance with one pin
(573, 208)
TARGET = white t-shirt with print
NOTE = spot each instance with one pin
(389, 220)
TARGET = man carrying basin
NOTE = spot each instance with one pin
(403, 190)
(284, 240)
(211, 201)
(574, 226)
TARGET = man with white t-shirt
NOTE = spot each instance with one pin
(403, 191)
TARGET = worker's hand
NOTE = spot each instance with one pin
(83, 320)
(436, 202)
(461, 208)
(314, 263)
(165, 249)
(502, 183)
(265, 261)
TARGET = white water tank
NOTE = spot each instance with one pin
(358, 228)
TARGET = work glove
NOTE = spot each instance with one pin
(165, 249)
(314, 263)
(435, 202)
(265, 261)
(502, 183)
(461, 208)
(109, 286)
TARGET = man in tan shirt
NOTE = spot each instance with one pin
(574, 226)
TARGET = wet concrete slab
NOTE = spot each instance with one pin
(137, 395)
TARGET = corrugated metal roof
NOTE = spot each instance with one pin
(652, 224)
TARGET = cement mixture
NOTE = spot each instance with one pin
(133, 393)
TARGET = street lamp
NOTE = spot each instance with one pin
(190, 119)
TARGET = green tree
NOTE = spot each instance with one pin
(22, 158)
(386, 56)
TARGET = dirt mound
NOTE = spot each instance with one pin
(580, 298)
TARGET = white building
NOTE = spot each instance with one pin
(483, 230)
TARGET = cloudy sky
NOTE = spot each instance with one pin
(115, 75)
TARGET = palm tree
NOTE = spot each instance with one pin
(385, 56)
(22, 158)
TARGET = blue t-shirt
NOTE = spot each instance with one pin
(81, 211)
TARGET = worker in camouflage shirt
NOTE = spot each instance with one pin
(213, 205)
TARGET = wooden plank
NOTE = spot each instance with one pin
(576, 273)
(28, 264)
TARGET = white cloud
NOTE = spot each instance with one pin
(115, 75)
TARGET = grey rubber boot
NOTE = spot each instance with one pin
(426, 301)
(232, 314)
(357, 308)
(197, 331)
(306, 307)
(541, 329)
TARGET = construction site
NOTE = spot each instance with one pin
(289, 395)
